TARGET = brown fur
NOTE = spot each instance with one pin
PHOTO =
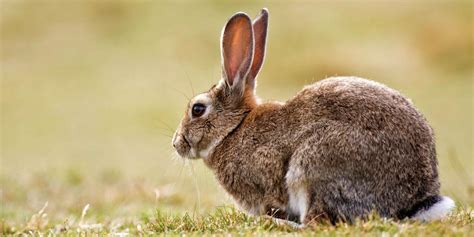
(354, 145)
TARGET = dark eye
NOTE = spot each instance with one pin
(198, 110)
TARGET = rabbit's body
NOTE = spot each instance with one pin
(333, 149)
(339, 149)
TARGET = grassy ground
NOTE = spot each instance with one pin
(91, 91)
(112, 204)
(227, 220)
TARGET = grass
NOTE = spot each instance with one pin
(91, 91)
(227, 220)
(78, 204)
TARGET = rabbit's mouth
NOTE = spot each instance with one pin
(184, 147)
(181, 145)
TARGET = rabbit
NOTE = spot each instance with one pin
(340, 149)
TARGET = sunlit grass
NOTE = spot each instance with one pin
(227, 220)
(112, 203)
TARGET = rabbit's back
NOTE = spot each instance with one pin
(357, 101)
(361, 104)
(363, 146)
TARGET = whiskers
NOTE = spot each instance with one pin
(180, 92)
(196, 186)
(181, 180)
(165, 135)
(188, 78)
(190, 83)
(164, 129)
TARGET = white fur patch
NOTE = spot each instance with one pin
(202, 98)
(298, 202)
(205, 153)
(192, 152)
(220, 84)
(437, 211)
(298, 194)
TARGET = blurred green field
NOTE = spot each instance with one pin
(91, 91)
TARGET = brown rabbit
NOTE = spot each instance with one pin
(339, 149)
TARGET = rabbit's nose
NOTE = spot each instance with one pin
(173, 141)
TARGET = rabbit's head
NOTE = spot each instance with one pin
(210, 116)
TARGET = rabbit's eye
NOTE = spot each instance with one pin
(198, 110)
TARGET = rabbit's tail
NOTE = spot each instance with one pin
(434, 208)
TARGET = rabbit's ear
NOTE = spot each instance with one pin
(260, 26)
(237, 49)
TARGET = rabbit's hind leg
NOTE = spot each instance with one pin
(322, 184)
(306, 190)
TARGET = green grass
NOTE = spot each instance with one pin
(227, 220)
(76, 202)
(91, 91)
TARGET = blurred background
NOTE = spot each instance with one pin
(92, 91)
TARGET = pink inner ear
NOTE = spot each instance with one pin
(237, 46)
